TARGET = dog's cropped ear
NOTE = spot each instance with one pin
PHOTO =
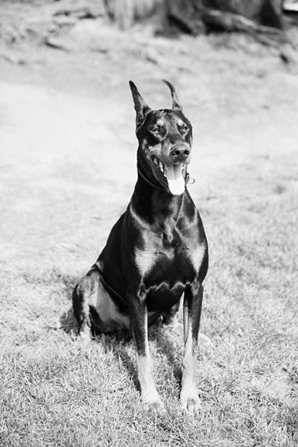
(175, 101)
(140, 106)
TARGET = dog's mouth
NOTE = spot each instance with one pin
(175, 174)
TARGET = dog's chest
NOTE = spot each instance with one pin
(170, 255)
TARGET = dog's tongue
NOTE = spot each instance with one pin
(176, 180)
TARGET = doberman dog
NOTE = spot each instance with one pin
(156, 252)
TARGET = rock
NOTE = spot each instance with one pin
(288, 54)
(57, 43)
(81, 9)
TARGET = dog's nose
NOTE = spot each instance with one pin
(180, 154)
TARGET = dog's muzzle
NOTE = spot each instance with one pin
(180, 153)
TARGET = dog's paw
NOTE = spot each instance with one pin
(154, 403)
(191, 406)
(190, 402)
(157, 407)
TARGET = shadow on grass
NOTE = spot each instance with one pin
(119, 346)
(68, 322)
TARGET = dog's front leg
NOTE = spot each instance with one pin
(139, 329)
(192, 307)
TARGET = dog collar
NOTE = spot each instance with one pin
(190, 179)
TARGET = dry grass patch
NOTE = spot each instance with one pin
(61, 193)
(56, 393)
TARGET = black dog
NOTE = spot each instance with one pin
(156, 252)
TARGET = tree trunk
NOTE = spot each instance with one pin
(126, 12)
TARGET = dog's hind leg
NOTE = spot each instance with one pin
(81, 310)
(94, 309)
(84, 299)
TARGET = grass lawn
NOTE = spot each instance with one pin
(55, 215)
(55, 393)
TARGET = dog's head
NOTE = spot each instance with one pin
(165, 139)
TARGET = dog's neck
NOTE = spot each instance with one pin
(154, 204)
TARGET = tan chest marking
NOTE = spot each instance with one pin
(197, 256)
(153, 245)
(146, 257)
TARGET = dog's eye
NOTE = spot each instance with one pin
(183, 128)
(155, 129)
